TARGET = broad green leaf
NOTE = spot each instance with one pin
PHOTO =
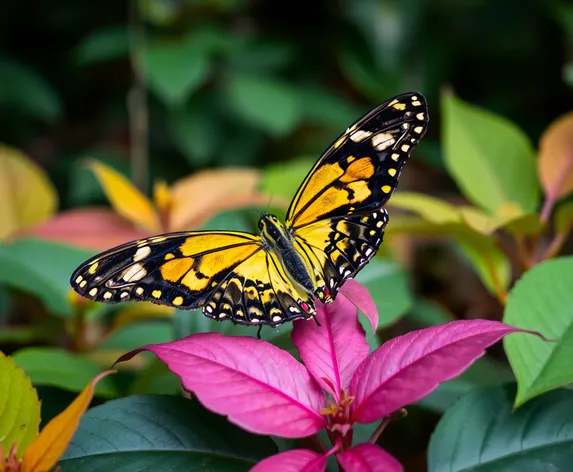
(27, 196)
(176, 68)
(264, 102)
(542, 301)
(41, 268)
(431, 209)
(425, 313)
(323, 107)
(196, 131)
(127, 338)
(508, 217)
(262, 56)
(282, 180)
(125, 198)
(50, 444)
(482, 433)
(58, 368)
(155, 378)
(19, 407)
(491, 160)
(140, 432)
(102, 45)
(555, 163)
(388, 286)
(27, 91)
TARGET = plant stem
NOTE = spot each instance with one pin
(137, 100)
(401, 413)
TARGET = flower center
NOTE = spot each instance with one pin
(338, 414)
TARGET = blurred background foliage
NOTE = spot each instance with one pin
(125, 120)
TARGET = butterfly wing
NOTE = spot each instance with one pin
(227, 274)
(337, 214)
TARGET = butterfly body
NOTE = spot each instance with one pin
(334, 226)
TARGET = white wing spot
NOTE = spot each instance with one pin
(360, 135)
(141, 253)
(382, 141)
(134, 273)
(124, 295)
(368, 252)
(93, 292)
(276, 318)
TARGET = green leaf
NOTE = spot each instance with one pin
(102, 45)
(425, 313)
(388, 285)
(57, 368)
(488, 260)
(482, 433)
(43, 269)
(140, 432)
(542, 301)
(264, 102)
(24, 89)
(431, 209)
(134, 335)
(323, 107)
(484, 372)
(564, 217)
(491, 160)
(176, 69)
(155, 378)
(19, 407)
(262, 56)
(196, 131)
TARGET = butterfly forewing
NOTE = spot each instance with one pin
(360, 170)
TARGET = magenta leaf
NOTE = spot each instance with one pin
(333, 350)
(359, 295)
(260, 387)
(368, 458)
(409, 367)
(295, 460)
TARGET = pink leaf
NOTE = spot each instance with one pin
(90, 228)
(368, 458)
(334, 349)
(409, 367)
(260, 387)
(359, 295)
(295, 460)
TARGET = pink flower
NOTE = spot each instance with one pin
(265, 390)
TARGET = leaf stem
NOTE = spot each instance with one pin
(401, 413)
(137, 100)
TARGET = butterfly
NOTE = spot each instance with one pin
(333, 227)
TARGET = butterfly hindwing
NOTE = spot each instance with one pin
(258, 291)
(360, 170)
(341, 246)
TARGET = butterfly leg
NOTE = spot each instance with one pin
(316, 321)
(259, 331)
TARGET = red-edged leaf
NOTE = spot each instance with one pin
(409, 367)
(90, 228)
(359, 295)
(260, 387)
(368, 458)
(295, 460)
(333, 350)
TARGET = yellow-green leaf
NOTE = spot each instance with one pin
(508, 217)
(490, 158)
(27, 196)
(126, 200)
(490, 262)
(555, 162)
(431, 209)
(44, 452)
(564, 217)
(19, 407)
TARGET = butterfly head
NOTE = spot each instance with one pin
(272, 230)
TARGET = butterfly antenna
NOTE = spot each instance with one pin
(259, 331)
